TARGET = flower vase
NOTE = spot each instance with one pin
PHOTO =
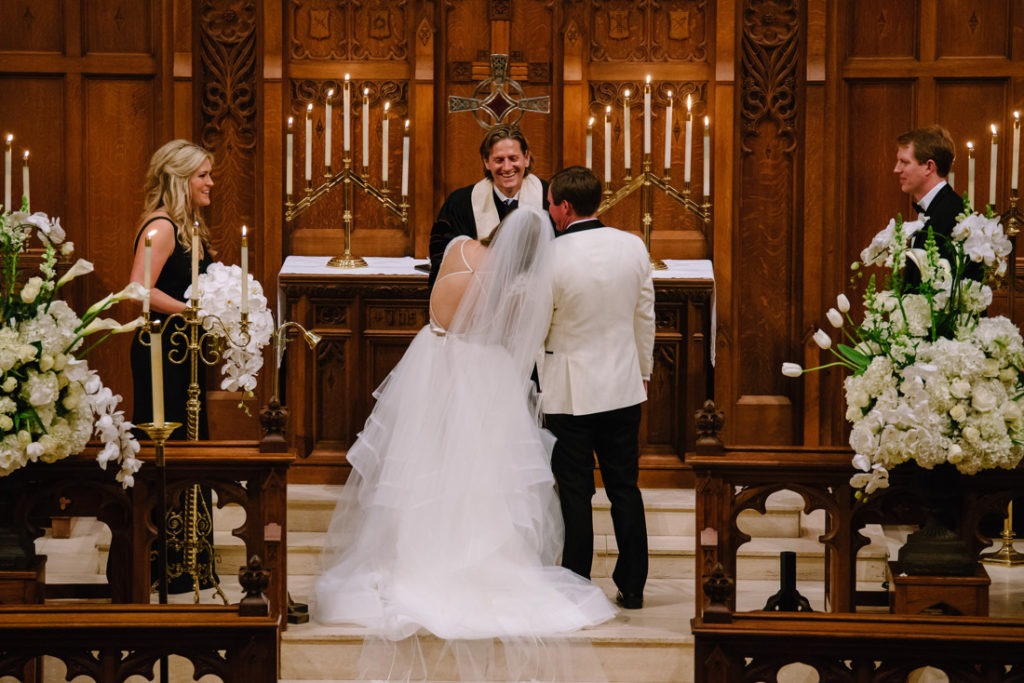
(937, 548)
(16, 552)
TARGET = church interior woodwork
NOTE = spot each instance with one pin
(804, 100)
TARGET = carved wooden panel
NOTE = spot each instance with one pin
(374, 30)
(988, 106)
(367, 322)
(36, 26)
(369, 216)
(688, 236)
(227, 119)
(764, 294)
(675, 30)
(980, 28)
(468, 47)
(115, 26)
(880, 28)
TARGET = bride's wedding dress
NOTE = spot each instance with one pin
(449, 522)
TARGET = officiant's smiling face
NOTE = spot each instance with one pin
(507, 165)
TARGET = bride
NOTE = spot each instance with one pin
(449, 522)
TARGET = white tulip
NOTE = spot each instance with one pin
(792, 370)
(842, 303)
(835, 318)
(822, 339)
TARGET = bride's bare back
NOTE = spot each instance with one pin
(460, 263)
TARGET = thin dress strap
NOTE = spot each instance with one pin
(469, 269)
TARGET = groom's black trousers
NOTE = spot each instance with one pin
(614, 437)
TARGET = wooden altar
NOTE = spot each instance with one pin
(366, 318)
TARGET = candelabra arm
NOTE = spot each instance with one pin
(629, 188)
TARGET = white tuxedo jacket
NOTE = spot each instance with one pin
(600, 343)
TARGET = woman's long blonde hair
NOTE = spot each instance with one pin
(167, 188)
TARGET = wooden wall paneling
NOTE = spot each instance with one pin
(118, 115)
(113, 26)
(879, 28)
(422, 174)
(975, 28)
(724, 241)
(576, 112)
(334, 374)
(763, 301)
(812, 256)
(32, 27)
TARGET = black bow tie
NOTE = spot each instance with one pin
(512, 204)
(917, 207)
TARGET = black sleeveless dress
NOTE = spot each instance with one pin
(174, 279)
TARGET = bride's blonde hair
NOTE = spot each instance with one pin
(167, 188)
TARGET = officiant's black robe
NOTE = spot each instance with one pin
(456, 218)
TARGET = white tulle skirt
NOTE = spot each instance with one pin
(449, 522)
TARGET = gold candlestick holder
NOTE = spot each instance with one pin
(159, 433)
(1006, 555)
(646, 181)
(188, 529)
(349, 179)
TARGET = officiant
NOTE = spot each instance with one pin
(475, 210)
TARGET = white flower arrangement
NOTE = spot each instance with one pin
(933, 381)
(220, 297)
(51, 402)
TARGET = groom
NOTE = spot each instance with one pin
(597, 361)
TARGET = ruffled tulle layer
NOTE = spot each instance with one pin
(449, 522)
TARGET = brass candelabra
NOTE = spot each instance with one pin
(646, 181)
(349, 180)
(186, 531)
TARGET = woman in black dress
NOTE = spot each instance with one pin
(177, 188)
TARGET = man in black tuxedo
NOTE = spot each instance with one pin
(475, 210)
(923, 159)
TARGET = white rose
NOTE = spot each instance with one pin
(31, 289)
(960, 388)
(9, 385)
(984, 399)
(958, 412)
(972, 435)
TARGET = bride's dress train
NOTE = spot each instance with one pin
(452, 531)
(449, 523)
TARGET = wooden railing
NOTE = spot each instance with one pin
(754, 646)
(731, 479)
(840, 644)
(238, 472)
(111, 642)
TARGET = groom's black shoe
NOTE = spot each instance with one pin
(630, 600)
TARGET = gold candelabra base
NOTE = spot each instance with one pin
(1006, 555)
(347, 260)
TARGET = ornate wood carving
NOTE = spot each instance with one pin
(227, 78)
(669, 31)
(331, 30)
(768, 212)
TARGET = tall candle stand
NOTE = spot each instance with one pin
(187, 530)
(645, 182)
(158, 435)
(349, 179)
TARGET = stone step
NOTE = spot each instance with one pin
(670, 512)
